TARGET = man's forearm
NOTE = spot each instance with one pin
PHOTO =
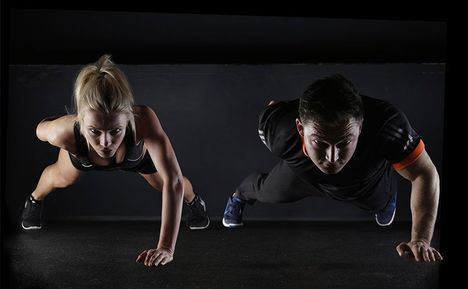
(424, 203)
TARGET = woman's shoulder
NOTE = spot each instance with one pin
(142, 113)
(64, 129)
(141, 110)
(144, 118)
(139, 113)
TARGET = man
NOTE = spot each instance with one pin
(338, 143)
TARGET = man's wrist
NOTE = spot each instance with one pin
(420, 239)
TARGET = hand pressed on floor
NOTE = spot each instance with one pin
(419, 251)
(154, 257)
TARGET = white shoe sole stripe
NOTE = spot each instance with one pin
(389, 223)
(200, 228)
(231, 225)
(31, 228)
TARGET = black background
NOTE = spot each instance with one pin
(453, 202)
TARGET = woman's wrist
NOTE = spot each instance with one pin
(167, 248)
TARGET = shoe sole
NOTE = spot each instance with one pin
(386, 224)
(230, 225)
(200, 228)
(30, 228)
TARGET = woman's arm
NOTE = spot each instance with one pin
(57, 130)
(162, 153)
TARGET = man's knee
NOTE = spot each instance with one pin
(272, 198)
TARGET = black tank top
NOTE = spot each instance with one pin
(133, 157)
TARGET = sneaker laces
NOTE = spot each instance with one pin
(196, 208)
(235, 206)
(33, 208)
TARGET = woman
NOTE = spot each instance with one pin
(109, 132)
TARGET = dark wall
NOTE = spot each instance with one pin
(77, 37)
(210, 114)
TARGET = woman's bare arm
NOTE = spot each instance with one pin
(57, 130)
(164, 158)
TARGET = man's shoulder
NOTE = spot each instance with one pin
(378, 109)
(281, 115)
(284, 107)
(277, 126)
(375, 102)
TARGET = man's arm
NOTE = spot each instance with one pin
(424, 202)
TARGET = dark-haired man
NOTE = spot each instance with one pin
(335, 142)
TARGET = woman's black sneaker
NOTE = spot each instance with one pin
(31, 218)
(197, 217)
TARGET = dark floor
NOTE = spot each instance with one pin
(261, 255)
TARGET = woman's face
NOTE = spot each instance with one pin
(104, 132)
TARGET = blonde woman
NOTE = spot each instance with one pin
(109, 132)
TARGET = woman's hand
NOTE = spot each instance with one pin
(154, 257)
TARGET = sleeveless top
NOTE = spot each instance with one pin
(133, 157)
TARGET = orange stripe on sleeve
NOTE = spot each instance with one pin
(411, 158)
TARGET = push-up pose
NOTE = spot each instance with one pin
(335, 142)
(109, 132)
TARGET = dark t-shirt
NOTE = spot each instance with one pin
(386, 138)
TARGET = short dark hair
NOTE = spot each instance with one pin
(330, 100)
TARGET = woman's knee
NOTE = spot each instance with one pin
(154, 180)
(60, 178)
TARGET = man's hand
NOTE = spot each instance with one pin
(154, 257)
(419, 250)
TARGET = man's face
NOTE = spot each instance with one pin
(104, 132)
(330, 147)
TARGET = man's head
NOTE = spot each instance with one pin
(330, 122)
